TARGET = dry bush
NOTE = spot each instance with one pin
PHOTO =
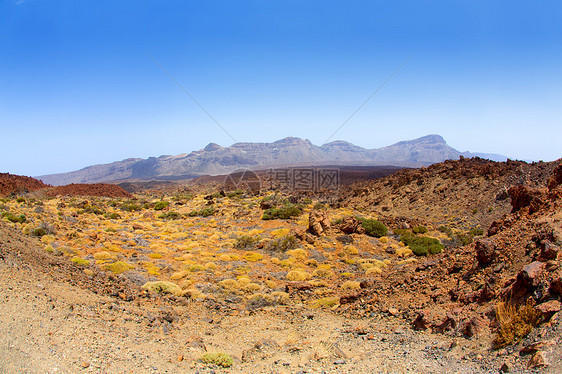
(515, 323)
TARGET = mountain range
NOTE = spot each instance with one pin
(291, 151)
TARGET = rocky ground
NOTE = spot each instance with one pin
(153, 281)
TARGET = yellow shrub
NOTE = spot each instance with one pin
(298, 275)
(180, 275)
(229, 284)
(280, 297)
(104, 255)
(155, 255)
(325, 302)
(298, 253)
(118, 267)
(80, 261)
(280, 232)
(404, 252)
(383, 239)
(253, 256)
(192, 245)
(350, 285)
(322, 273)
(163, 287)
(351, 249)
(251, 287)
(47, 239)
(192, 293)
(373, 270)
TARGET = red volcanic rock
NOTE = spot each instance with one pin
(556, 178)
(348, 225)
(485, 251)
(522, 197)
(98, 189)
(549, 308)
(16, 184)
(531, 273)
(476, 326)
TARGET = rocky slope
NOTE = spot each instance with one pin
(214, 159)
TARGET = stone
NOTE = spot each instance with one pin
(318, 222)
(556, 286)
(531, 273)
(548, 308)
(534, 347)
(549, 251)
(348, 225)
(505, 368)
(523, 196)
(476, 326)
(485, 251)
(136, 226)
(537, 361)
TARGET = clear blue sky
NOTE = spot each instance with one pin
(77, 85)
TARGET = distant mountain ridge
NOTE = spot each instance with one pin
(291, 151)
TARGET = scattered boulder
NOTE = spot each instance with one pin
(318, 222)
(476, 326)
(523, 196)
(537, 361)
(485, 251)
(348, 225)
(556, 178)
(531, 273)
(549, 251)
(547, 309)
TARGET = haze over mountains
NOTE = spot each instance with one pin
(214, 159)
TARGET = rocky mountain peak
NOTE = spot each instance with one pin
(212, 147)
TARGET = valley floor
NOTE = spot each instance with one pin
(48, 325)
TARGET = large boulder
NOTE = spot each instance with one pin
(318, 222)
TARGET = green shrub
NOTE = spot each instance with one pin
(420, 230)
(14, 218)
(205, 212)
(112, 215)
(446, 230)
(476, 232)
(20, 200)
(373, 227)
(161, 205)
(422, 245)
(464, 239)
(44, 229)
(283, 243)
(246, 241)
(219, 359)
(170, 215)
(320, 206)
(402, 232)
(235, 193)
(285, 212)
(130, 207)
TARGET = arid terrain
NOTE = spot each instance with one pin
(451, 268)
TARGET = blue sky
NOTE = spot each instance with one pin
(78, 86)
